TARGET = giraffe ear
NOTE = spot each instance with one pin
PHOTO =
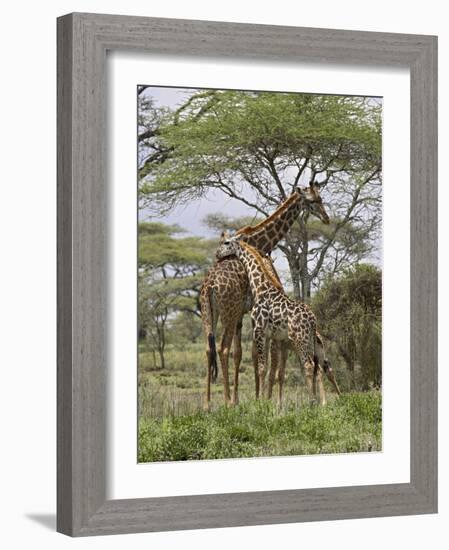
(317, 186)
(314, 189)
(225, 235)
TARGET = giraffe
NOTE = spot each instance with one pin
(280, 353)
(277, 317)
(225, 290)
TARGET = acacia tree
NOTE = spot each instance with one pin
(171, 270)
(258, 147)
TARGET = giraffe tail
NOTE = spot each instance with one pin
(208, 325)
(319, 355)
(213, 357)
(316, 367)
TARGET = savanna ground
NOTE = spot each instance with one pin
(173, 425)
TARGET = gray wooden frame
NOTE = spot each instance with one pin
(83, 40)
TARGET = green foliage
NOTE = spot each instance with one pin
(220, 222)
(170, 267)
(361, 285)
(186, 328)
(349, 312)
(161, 246)
(171, 270)
(258, 428)
(253, 137)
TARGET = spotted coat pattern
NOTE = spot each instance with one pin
(276, 317)
(225, 292)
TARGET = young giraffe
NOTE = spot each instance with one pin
(277, 368)
(276, 316)
(225, 291)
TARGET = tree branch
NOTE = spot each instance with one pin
(341, 224)
(272, 169)
(300, 172)
(147, 134)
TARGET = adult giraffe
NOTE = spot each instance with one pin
(225, 293)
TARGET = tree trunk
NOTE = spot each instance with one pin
(306, 281)
(294, 265)
(161, 356)
(296, 251)
(301, 280)
(306, 287)
(350, 364)
(161, 341)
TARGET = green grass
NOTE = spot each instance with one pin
(351, 423)
(173, 425)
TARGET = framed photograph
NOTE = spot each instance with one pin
(247, 274)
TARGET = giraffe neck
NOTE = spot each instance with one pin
(266, 235)
(269, 265)
(260, 278)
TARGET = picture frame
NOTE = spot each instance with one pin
(83, 40)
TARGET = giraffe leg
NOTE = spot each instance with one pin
(274, 356)
(309, 369)
(256, 368)
(237, 360)
(322, 359)
(318, 381)
(281, 376)
(260, 341)
(263, 372)
(307, 363)
(331, 376)
(211, 356)
(208, 381)
(225, 346)
(211, 372)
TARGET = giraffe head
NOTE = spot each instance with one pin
(313, 202)
(226, 237)
(228, 246)
(232, 246)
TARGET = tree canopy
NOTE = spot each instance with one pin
(258, 147)
(171, 270)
